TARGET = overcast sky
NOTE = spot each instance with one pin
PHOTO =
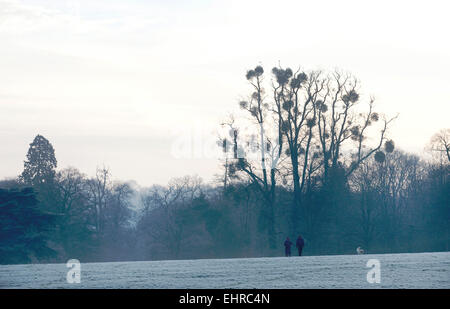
(116, 82)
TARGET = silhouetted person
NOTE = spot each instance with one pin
(287, 247)
(300, 243)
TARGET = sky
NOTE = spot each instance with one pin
(123, 83)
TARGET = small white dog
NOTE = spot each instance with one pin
(359, 250)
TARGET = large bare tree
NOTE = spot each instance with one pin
(322, 122)
(257, 151)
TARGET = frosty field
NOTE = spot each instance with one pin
(417, 270)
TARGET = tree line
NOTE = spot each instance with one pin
(306, 154)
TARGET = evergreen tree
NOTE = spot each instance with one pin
(40, 165)
(24, 228)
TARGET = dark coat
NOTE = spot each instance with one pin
(288, 244)
(300, 242)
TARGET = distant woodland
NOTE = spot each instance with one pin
(306, 154)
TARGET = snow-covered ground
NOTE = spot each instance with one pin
(418, 270)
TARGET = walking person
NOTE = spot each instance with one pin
(287, 246)
(300, 243)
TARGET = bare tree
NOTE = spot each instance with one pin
(440, 143)
(118, 210)
(98, 188)
(258, 154)
(340, 124)
(294, 95)
(162, 220)
(318, 116)
(71, 185)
